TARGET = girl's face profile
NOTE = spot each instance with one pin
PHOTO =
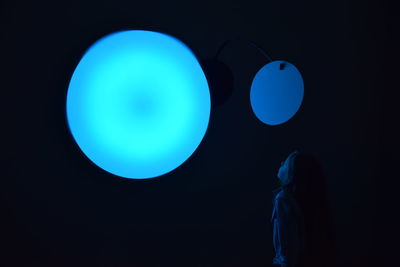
(283, 169)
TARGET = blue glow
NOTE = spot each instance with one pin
(276, 94)
(138, 103)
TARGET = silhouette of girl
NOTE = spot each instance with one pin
(301, 220)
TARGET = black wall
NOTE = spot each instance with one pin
(59, 209)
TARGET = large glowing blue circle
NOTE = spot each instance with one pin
(277, 92)
(138, 103)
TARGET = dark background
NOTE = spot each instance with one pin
(59, 209)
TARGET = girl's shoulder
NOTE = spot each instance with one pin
(283, 195)
(286, 200)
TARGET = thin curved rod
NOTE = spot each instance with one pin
(247, 41)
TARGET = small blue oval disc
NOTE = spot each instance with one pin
(277, 92)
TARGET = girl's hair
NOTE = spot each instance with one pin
(306, 181)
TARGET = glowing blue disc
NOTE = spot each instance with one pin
(277, 92)
(138, 103)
